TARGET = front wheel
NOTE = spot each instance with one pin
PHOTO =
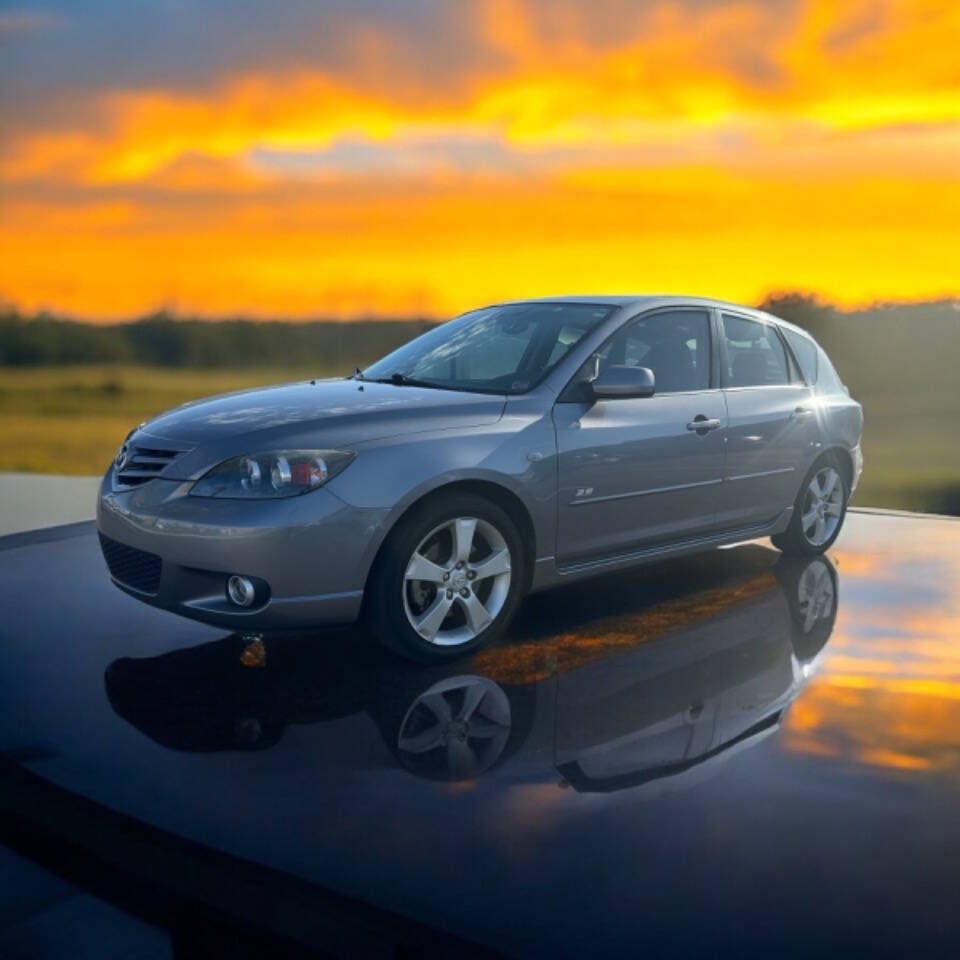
(818, 512)
(448, 580)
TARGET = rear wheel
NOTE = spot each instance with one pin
(448, 580)
(818, 512)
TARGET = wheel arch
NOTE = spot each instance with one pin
(844, 460)
(497, 493)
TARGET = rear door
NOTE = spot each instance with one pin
(771, 422)
(634, 472)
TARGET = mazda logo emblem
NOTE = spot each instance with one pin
(121, 460)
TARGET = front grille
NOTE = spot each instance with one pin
(131, 567)
(143, 464)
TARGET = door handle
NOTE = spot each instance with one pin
(801, 413)
(702, 424)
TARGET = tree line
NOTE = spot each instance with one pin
(893, 343)
(168, 341)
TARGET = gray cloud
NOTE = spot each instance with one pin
(400, 50)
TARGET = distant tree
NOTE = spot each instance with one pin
(804, 310)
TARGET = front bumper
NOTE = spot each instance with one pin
(313, 552)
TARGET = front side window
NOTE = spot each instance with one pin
(674, 344)
(504, 349)
(755, 354)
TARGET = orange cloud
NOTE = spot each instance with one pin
(269, 251)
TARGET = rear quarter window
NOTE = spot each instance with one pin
(805, 353)
(827, 376)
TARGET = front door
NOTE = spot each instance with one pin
(636, 472)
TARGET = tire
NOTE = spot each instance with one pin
(817, 520)
(451, 610)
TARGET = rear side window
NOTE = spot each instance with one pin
(805, 351)
(756, 356)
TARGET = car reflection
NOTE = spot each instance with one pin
(717, 687)
(669, 677)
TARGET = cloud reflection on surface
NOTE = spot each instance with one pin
(887, 694)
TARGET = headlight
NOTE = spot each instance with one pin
(260, 476)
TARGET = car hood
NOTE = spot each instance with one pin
(323, 411)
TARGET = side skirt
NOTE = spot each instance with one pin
(550, 574)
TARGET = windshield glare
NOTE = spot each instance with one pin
(504, 349)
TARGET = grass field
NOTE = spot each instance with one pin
(70, 420)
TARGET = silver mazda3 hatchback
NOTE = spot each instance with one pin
(518, 447)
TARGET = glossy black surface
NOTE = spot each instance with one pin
(726, 753)
(42, 916)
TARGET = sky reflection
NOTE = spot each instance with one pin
(887, 693)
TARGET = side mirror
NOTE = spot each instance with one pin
(622, 383)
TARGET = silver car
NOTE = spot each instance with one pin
(518, 447)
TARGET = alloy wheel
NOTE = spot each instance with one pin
(822, 507)
(457, 581)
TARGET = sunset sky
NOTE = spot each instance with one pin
(293, 159)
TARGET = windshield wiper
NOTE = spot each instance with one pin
(402, 380)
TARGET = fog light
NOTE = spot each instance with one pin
(240, 591)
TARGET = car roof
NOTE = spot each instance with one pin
(641, 300)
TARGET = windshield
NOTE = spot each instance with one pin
(505, 349)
